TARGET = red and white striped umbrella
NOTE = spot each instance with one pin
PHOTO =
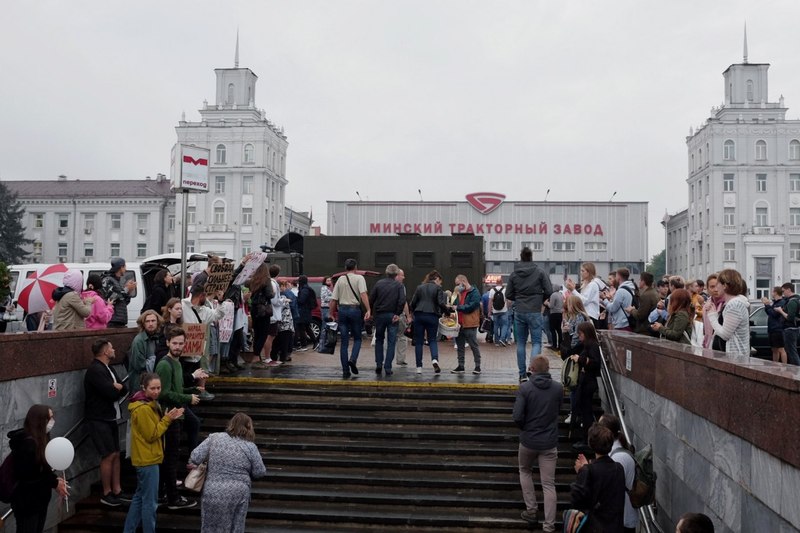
(37, 290)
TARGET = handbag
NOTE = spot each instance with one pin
(569, 374)
(196, 478)
(574, 520)
(327, 338)
(487, 324)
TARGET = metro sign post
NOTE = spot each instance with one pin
(189, 167)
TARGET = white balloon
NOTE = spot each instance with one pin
(59, 453)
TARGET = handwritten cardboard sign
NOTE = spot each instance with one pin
(250, 267)
(195, 339)
(226, 322)
(219, 277)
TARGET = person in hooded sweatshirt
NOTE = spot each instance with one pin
(616, 301)
(35, 479)
(528, 286)
(71, 310)
(102, 311)
(536, 411)
(148, 425)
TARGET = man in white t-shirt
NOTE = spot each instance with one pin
(348, 298)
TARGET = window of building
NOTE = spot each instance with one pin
(116, 220)
(62, 251)
(221, 153)
(141, 249)
(729, 251)
(249, 153)
(762, 216)
(794, 150)
(729, 150)
(728, 183)
(729, 216)
(170, 248)
(88, 223)
(219, 185)
(88, 250)
(247, 184)
(247, 216)
(114, 249)
(142, 221)
(247, 247)
(794, 216)
(794, 251)
(461, 259)
(37, 248)
(384, 259)
(794, 182)
(500, 246)
(190, 246)
(63, 221)
(171, 223)
(219, 213)
(231, 89)
(761, 183)
(191, 214)
(563, 246)
(535, 246)
(38, 220)
(761, 150)
(596, 246)
(749, 90)
(423, 259)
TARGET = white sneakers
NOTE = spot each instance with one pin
(419, 370)
(568, 419)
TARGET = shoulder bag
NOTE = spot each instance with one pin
(358, 296)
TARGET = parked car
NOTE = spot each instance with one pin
(759, 338)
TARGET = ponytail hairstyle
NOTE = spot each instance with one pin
(612, 422)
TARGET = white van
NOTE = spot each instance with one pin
(142, 273)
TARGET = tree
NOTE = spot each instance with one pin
(12, 232)
(656, 265)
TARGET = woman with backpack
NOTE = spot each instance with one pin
(622, 453)
(680, 324)
(34, 478)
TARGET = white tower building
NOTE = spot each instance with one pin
(744, 186)
(247, 170)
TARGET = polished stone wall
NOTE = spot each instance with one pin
(708, 454)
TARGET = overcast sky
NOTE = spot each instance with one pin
(450, 97)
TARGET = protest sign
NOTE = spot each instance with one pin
(219, 277)
(255, 261)
(195, 339)
(226, 322)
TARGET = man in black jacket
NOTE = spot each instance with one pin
(387, 301)
(528, 286)
(116, 294)
(536, 414)
(104, 390)
(599, 489)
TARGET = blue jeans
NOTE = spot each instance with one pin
(426, 323)
(385, 328)
(500, 327)
(790, 345)
(351, 322)
(523, 324)
(144, 503)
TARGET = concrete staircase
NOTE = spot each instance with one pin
(391, 457)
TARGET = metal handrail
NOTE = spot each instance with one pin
(646, 513)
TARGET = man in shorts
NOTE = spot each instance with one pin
(104, 390)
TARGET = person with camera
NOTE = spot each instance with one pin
(116, 294)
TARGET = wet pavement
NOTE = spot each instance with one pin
(498, 368)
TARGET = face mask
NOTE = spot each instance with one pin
(50, 425)
(461, 288)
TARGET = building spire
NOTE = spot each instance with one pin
(236, 57)
(745, 42)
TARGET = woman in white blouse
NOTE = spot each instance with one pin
(590, 290)
(732, 325)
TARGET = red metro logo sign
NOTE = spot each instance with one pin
(485, 202)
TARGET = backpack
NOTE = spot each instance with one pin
(8, 484)
(569, 374)
(634, 302)
(260, 304)
(498, 300)
(796, 299)
(643, 491)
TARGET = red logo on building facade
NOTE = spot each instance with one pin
(485, 202)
